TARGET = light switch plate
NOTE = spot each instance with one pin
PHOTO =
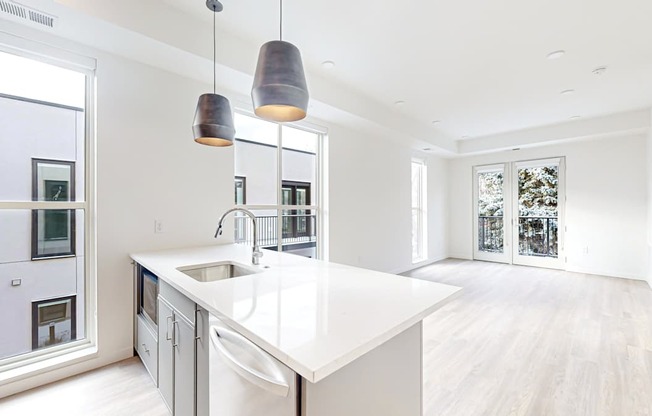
(16, 282)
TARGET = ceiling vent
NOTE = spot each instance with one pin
(24, 14)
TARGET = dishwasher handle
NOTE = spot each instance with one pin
(274, 383)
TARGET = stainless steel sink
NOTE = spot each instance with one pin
(217, 271)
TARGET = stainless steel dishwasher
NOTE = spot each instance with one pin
(244, 380)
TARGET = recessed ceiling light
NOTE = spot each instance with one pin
(435, 122)
(567, 92)
(575, 117)
(427, 149)
(556, 54)
(600, 71)
(328, 64)
(399, 103)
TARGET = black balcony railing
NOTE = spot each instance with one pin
(538, 236)
(490, 234)
(296, 229)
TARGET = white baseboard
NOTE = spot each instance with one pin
(607, 273)
(460, 256)
(417, 265)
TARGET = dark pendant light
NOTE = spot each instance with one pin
(280, 92)
(213, 125)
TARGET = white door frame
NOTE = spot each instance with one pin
(547, 262)
(506, 255)
(510, 214)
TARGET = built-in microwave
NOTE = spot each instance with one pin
(148, 295)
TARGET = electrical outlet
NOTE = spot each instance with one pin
(158, 226)
(585, 250)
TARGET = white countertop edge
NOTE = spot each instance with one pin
(323, 372)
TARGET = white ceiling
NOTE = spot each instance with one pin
(478, 66)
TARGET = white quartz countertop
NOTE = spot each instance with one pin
(314, 316)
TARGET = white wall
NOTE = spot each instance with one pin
(437, 208)
(370, 213)
(606, 209)
(369, 201)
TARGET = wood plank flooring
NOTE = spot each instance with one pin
(518, 341)
(528, 341)
(121, 389)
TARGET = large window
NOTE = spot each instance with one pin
(277, 178)
(419, 217)
(45, 267)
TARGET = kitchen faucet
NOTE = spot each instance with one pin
(256, 254)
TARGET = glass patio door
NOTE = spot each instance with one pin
(538, 213)
(491, 212)
(519, 213)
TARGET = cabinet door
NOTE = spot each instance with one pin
(184, 367)
(165, 358)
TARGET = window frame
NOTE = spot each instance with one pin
(318, 200)
(72, 229)
(421, 211)
(295, 186)
(43, 360)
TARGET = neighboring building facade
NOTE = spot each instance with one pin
(41, 251)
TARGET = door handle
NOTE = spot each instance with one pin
(274, 383)
(197, 320)
(145, 347)
(175, 325)
(167, 328)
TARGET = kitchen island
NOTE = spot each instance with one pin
(352, 335)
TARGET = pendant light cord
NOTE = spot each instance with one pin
(280, 29)
(214, 49)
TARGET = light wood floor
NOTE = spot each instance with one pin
(527, 341)
(122, 389)
(518, 341)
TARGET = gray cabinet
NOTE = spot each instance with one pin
(145, 332)
(147, 346)
(184, 368)
(165, 353)
(168, 347)
(176, 351)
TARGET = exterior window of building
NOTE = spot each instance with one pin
(419, 217)
(53, 231)
(295, 222)
(54, 322)
(240, 190)
(281, 165)
(46, 253)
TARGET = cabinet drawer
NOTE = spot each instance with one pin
(147, 348)
(178, 301)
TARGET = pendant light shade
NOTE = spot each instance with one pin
(279, 92)
(213, 125)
